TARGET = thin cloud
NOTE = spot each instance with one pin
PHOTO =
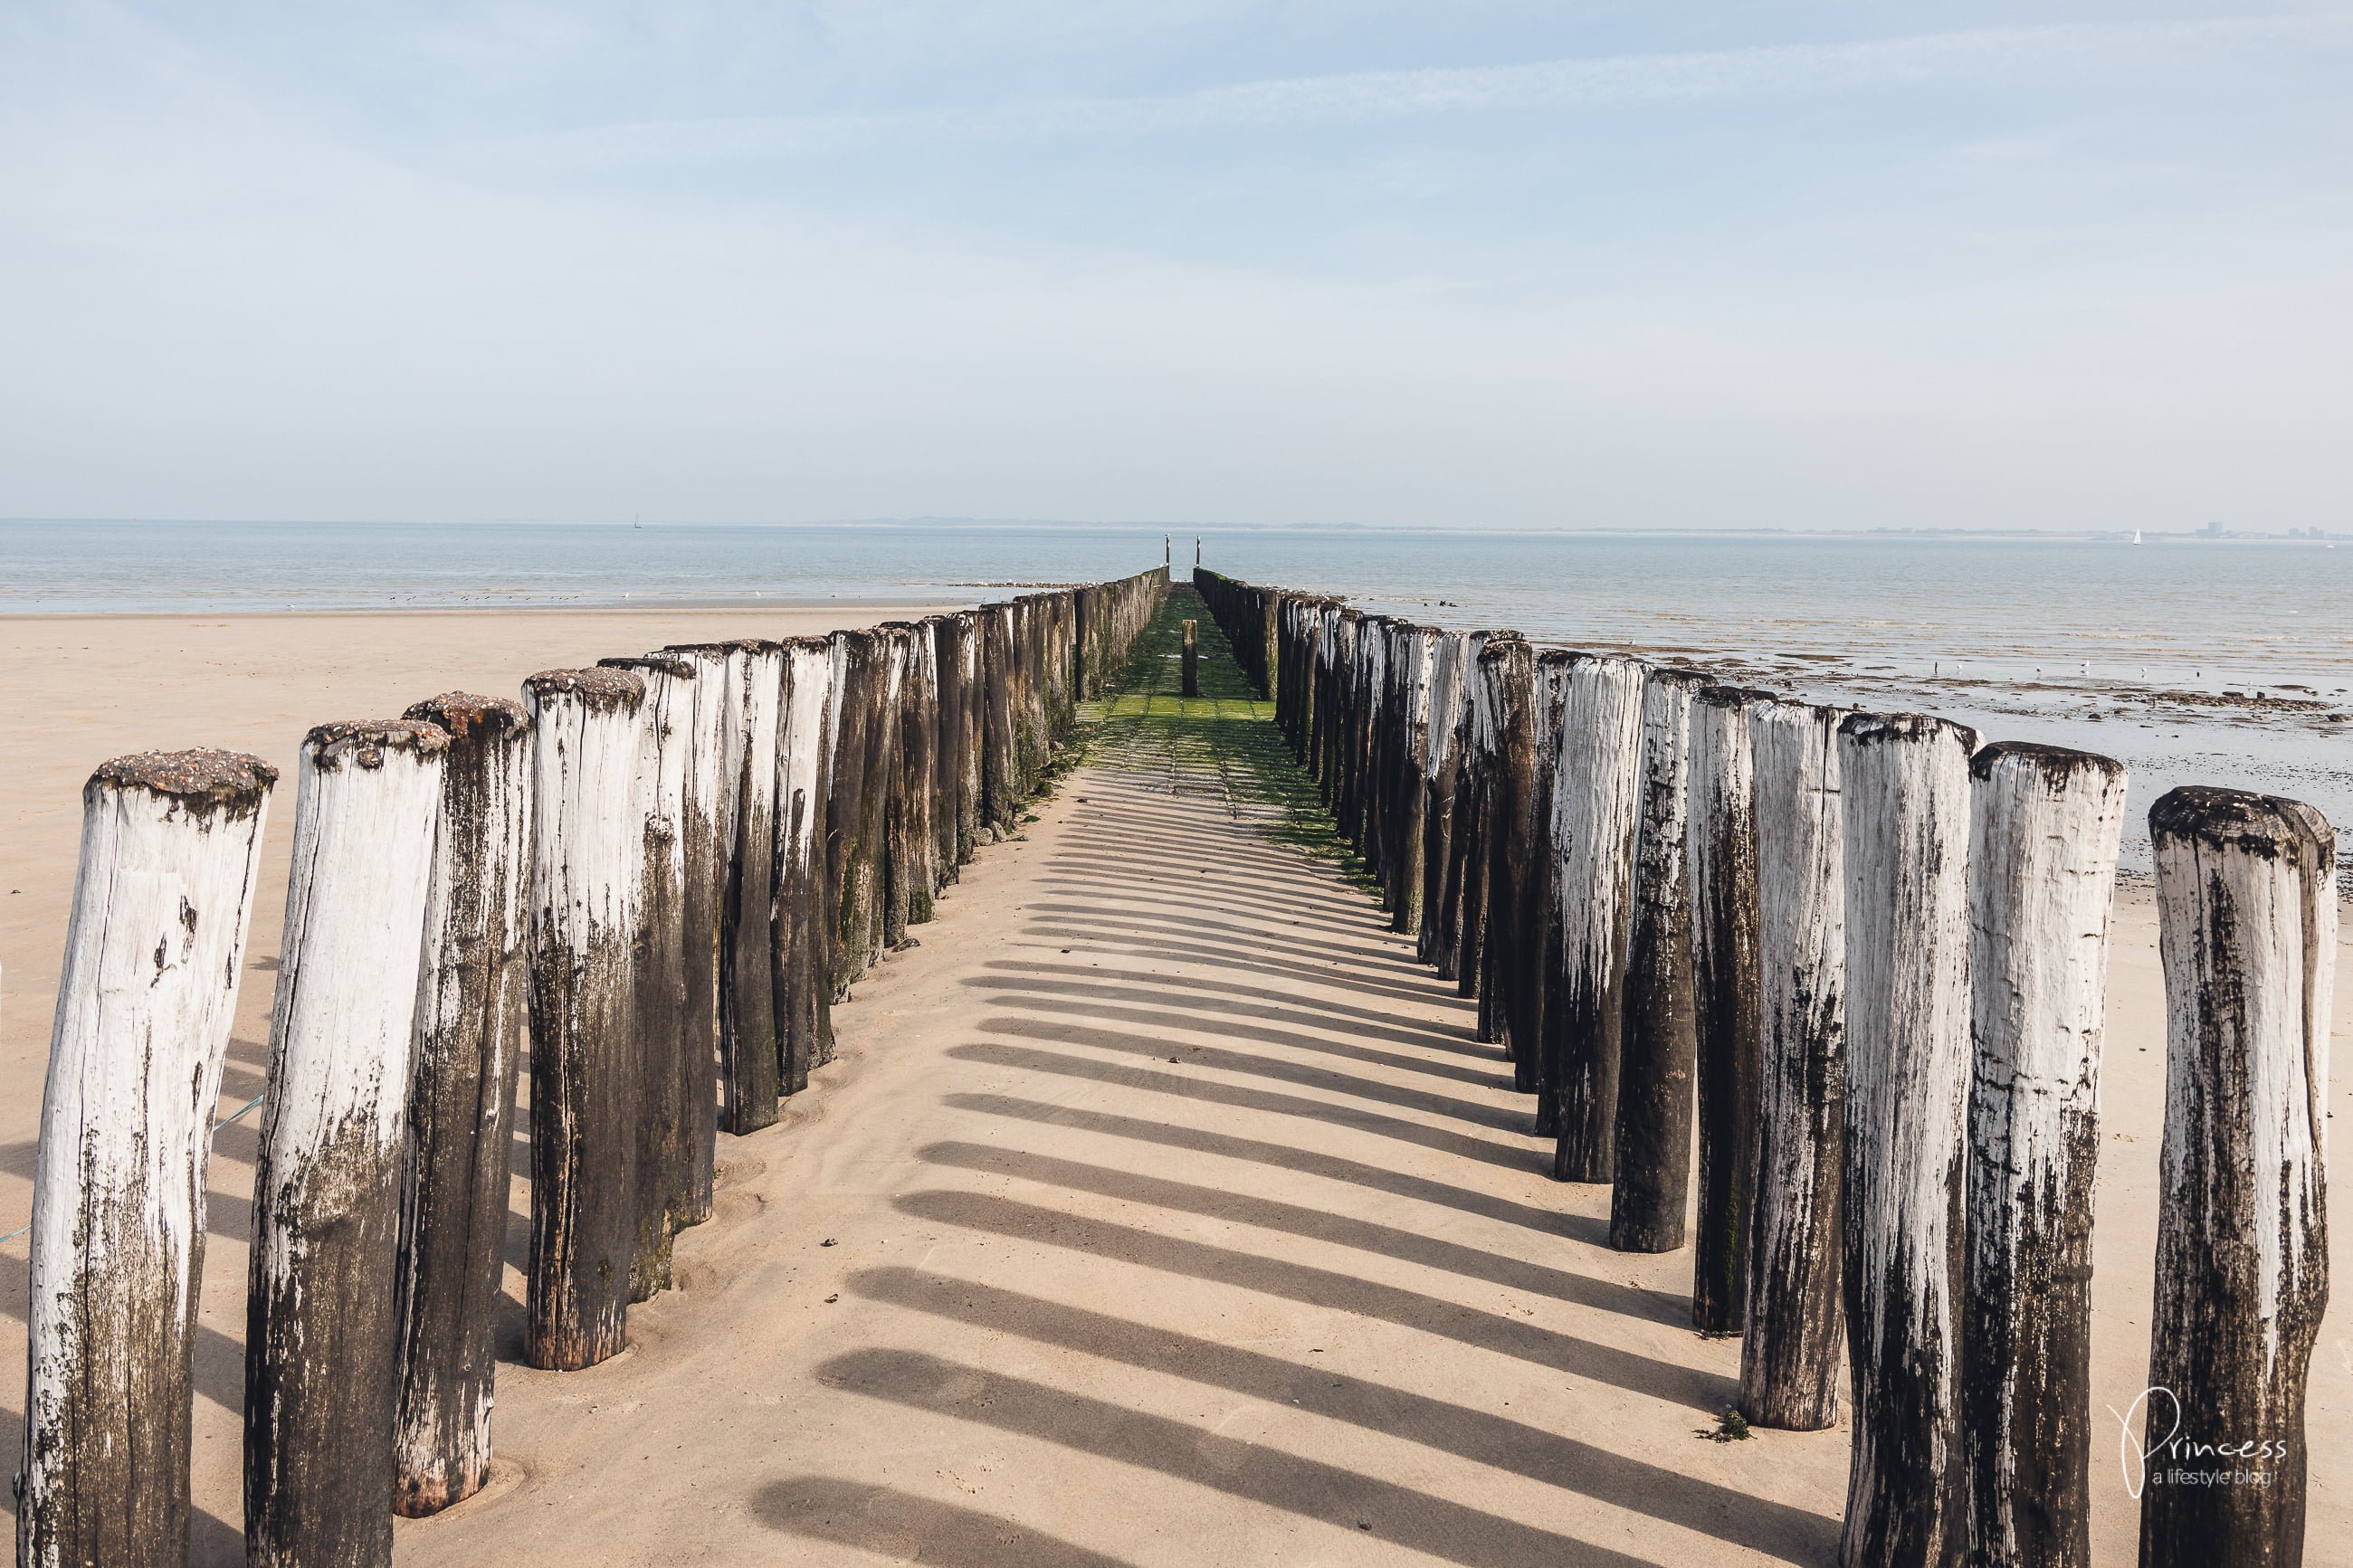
(1356, 98)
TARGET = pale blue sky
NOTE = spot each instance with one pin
(1479, 264)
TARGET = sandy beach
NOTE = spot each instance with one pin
(1160, 1209)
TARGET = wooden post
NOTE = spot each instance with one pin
(1659, 1053)
(1720, 842)
(162, 899)
(2044, 826)
(747, 1012)
(1905, 778)
(2247, 930)
(1419, 645)
(586, 874)
(1192, 670)
(1477, 792)
(320, 1385)
(665, 769)
(1442, 778)
(706, 839)
(1506, 989)
(471, 1012)
(1794, 1309)
(804, 924)
(1597, 805)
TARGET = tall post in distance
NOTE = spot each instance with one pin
(2247, 929)
(1728, 1032)
(2044, 827)
(322, 1389)
(1794, 1309)
(162, 899)
(587, 875)
(1191, 674)
(1906, 783)
(471, 1011)
(1658, 1055)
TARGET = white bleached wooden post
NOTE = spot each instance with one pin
(1721, 841)
(588, 853)
(804, 927)
(162, 902)
(2247, 930)
(747, 1016)
(471, 1011)
(1659, 1051)
(1794, 1307)
(320, 1385)
(1595, 806)
(706, 840)
(1905, 778)
(2045, 826)
(666, 763)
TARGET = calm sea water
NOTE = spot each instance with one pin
(2056, 640)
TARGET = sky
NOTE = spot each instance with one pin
(1485, 263)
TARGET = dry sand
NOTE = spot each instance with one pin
(1299, 1295)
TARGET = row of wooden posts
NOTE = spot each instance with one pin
(1858, 962)
(657, 875)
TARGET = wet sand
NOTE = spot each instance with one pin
(1299, 1295)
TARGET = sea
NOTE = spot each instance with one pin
(2192, 660)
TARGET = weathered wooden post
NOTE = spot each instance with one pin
(1192, 672)
(1794, 1312)
(747, 1011)
(1419, 646)
(804, 924)
(1728, 1032)
(1508, 988)
(1659, 1053)
(1905, 778)
(706, 837)
(664, 780)
(472, 1007)
(2044, 826)
(1596, 806)
(2247, 930)
(162, 901)
(1441, 778)
(587, 871)
(320, 1385)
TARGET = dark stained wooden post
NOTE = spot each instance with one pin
(1727, 1032)
(1905, 778)
(1548, 708)
(1794, 1315)
(587, 850)
(706, 839)
(748, 1053)
(2247, 930)
(1419, 645)
(665, 766)
(804, 923)
(1660, 1051)
(2044, 826)
(1597, 805)
(1475, 793)
(1191, 674)
(1507, 988)
(1449, 714)
(471, 1012)
(162, 899)
(320, 1385)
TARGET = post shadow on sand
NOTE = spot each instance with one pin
(1106, 931)
(1154, 990)
(1593, 1231)
(1312, 1224)
(1320, 1287)
(866, 1517)
(1331, 1012)
(1216, 1091)
(1484, 1437)
(1014, 1018)
(1417, 1520)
